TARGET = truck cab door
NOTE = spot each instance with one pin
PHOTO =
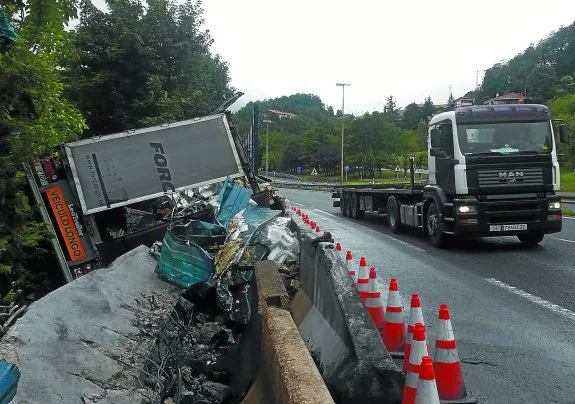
(443, 153)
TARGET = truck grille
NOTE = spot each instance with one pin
(510, 178)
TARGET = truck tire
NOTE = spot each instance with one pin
(356, 213)
(393, 217)
(436, 236)
(348, 206)
(342, 204)
(531, 239)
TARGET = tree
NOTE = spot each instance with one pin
(541, 82)
(144, 63)
(34, 117)
(566, 85)
(412, 115)
(451, 102)
(428, 108)
(390, 109)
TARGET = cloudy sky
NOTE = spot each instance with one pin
(408, 49)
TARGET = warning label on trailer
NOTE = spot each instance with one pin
(66, 223)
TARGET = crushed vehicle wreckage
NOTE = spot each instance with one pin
(172, 341)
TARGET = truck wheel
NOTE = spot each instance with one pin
(355, 212)
(348, 206)
(342, 203)
(436, 236)
(393, 217)
(530, 240)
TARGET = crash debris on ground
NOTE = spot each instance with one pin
(162, 324)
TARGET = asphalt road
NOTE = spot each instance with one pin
(512, 308)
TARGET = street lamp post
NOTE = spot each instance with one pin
(267, 122)
(342, 85)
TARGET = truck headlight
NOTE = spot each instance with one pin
(555, 205)
(466, 209)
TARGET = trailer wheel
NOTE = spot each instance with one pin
(393, 217)
(342, 203)
(530, 240)
(436, 236)
(356, 213)
(348, 206)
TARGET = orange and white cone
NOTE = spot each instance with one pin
(363, 279)
(350, 267)
(415, 316)
(447, 366)
(339, 252)
(418, 351)
(374, 303)
(394, 327)
(426, 386)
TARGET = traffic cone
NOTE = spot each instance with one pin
(373, 302)
(339, 252)
(317, 230)
(418, 351)
(415, 316)
(299, 212)
(426, 386)
(350, 267)
(313, 225)
(363, 279)
(394, 327)
(447, 366)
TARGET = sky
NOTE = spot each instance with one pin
(408, 49)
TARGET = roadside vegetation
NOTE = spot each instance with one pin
(142, 63)
(567, 181)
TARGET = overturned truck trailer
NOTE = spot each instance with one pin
(92, 185)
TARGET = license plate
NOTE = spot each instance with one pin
(513, 227)
(508, 227)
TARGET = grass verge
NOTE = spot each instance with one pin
(567, 181)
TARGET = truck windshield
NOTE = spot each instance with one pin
(505, 137)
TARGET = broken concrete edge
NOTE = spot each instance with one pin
(361, 368)
(287, 373)
(91, 338)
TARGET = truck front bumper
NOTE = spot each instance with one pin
(507, 217)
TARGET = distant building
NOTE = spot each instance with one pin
(281, 114)
(463, 102)
(509, 98)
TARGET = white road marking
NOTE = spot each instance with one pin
(534, 299)
(569, 217)
(404, 243)
(325, 213)
(562, 239)
(298, 204)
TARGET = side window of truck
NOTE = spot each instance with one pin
(446, 138)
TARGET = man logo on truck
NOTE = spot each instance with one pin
(511, 174)
(162, 165)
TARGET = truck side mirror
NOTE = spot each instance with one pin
(434, 138)
(563, 133)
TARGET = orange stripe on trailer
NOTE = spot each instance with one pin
(66, 223)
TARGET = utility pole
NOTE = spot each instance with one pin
(342, 85)
(267, 122)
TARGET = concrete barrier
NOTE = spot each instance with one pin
(287, 373)
(338, 331)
